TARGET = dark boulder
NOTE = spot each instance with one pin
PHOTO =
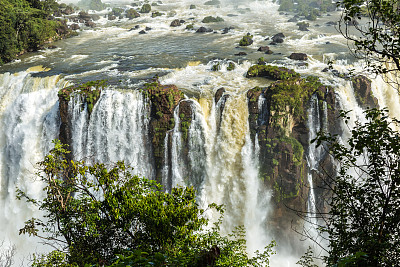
(220, 92)
(90, 24)
(298, 56)
(241, 54)
(278, 38)
(204, 29)
(175, 23)
(74, 27)
(363, 92)
(142, 32)
(263, 49)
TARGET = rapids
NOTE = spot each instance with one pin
(223, 160)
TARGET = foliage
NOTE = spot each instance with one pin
(364, 221)
(108, 216)
(210, 19)
(271, 72)
(307, 259)
(246, 40)
(146, 8)
(377, 40)
(89, 92)
(26, 25)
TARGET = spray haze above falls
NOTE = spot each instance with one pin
(190, 108)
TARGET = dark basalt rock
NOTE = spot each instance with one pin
(363, 92)
(278, 38)
(74, 27)
(175, 23)
(263, 49)
(298, 56)
(204, 29)
(164, 99)
(90, 24)
(142, 32)
(220, 92)
(241, 54)
(132, 13)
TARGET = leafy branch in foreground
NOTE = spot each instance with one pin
(364, 221)
(108, 216)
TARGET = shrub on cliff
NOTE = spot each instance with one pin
(107, 216)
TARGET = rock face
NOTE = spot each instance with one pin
(363, 92)
(164, 99)
(278, 122)
(89, 93)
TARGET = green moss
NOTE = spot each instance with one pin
(216, 67)
(271, 72)
(231, 66)
(89, 92)
(190, 27)
(146, 8)
(246, 40)
(210, 19)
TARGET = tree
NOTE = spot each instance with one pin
(108, 216)
(363, 225)
(376, 37)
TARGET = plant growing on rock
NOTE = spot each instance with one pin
(246, 40)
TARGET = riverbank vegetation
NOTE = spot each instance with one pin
(26, 25)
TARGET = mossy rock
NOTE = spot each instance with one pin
(271, 72)
(89, 92)
(146, 8)
(231, 66)
(246, 40)
(210, 19)
(132, 13)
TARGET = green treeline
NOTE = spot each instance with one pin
(25, 25)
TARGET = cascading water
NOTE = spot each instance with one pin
(30, 120)
(117, 129)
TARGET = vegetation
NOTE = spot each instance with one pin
(377, 41)
(110, 217)
(146, 8)
(89, 92)
(210, 19)
(271, 72)
(246, 40)
(363, 223)
(26, 26)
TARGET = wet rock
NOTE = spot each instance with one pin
(90, 24)
(175, 23)
(263, 49)
(331, 23)
(95, 17)
(210, 19)
(204, 29)
(156, 14)
(132, 13)
(294, 19)
(271, 72)
(303, 26)
(146, 8)
(241, 54)
(74, 27)
(142, 32)
(52, 47)
(278, 38)
(246, 40)
(148, 29)
(298, 56)
(112, 17)
(192, 7)
(227, 29)
(363, 92)
(220, 92)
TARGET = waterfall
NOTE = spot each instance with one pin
(117, 129)
(29, 122)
